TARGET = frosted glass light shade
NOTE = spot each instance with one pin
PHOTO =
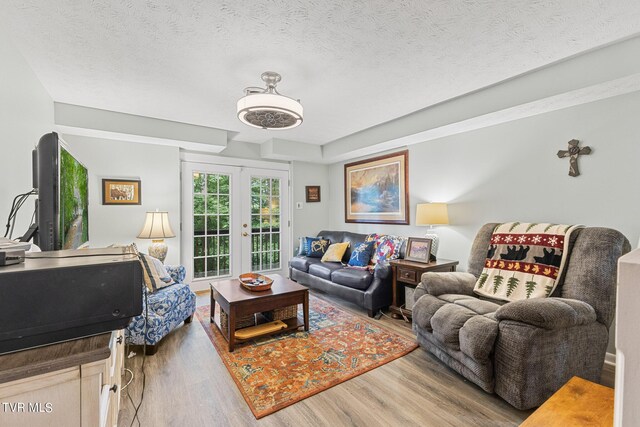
(270, 111)
(156, 226)
(432, 214)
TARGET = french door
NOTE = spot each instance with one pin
(235, 220)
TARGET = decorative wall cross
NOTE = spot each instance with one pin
(573, 152)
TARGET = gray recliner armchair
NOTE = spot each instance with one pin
(524, 350)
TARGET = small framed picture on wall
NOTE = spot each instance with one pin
(121, 192)
(313, 193)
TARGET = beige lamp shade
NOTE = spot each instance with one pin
(431, 214)
(156, 226)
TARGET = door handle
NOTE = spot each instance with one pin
(245, 234)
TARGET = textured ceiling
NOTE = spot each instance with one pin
(353, 64)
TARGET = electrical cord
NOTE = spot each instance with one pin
(144, 358)
(406, 319)
(17, 203)
(124, 387)
(144, 348)
(129, 394)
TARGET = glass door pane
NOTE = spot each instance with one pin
(265, 223)
(211, 219)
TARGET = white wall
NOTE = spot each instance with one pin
(26, 113)
(158, 167)
(313, 217)
(511, 172)
(241, 150)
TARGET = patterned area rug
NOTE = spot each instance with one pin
(275, 372)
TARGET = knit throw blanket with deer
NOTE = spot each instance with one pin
(524, 260)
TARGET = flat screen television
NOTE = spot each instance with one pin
(62, 208)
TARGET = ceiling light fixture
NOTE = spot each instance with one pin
(267, 109)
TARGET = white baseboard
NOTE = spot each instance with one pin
(610, 359)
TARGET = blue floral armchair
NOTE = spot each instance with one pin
(168, 308)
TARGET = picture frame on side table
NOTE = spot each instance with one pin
(121, 192)
(377, 190)
(419, 249)
(312, 193)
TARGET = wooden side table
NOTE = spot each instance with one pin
(408, 274)
(578, 403)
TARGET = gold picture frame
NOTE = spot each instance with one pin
(121, 192)
(377, 190)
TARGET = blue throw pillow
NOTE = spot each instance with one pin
(317, 247)
(361, 254)
(302, 250)
(303, 245)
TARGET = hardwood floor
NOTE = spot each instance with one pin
(188, 385)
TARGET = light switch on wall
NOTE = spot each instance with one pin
(298, 205)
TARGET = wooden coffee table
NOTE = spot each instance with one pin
(237, 301)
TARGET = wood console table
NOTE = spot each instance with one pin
(408, 274)
(74, 383)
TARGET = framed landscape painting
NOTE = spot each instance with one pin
(376, 190)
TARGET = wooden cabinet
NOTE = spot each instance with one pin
(408, 274)
(76, 383)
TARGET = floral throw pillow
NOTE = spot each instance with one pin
(388, 248)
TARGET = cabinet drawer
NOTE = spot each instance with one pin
(407, 276)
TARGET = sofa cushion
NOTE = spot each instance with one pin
(447, 321)
(352, 278)
(478, 306)
(459, 322)
(423, 310)
(477, 336)
(324, 269)
(302, 263)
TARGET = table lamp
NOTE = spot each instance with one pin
(157, 228)
(432, 214)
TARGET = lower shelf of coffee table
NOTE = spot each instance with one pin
(292, 324)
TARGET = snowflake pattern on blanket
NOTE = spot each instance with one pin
(524, 260)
